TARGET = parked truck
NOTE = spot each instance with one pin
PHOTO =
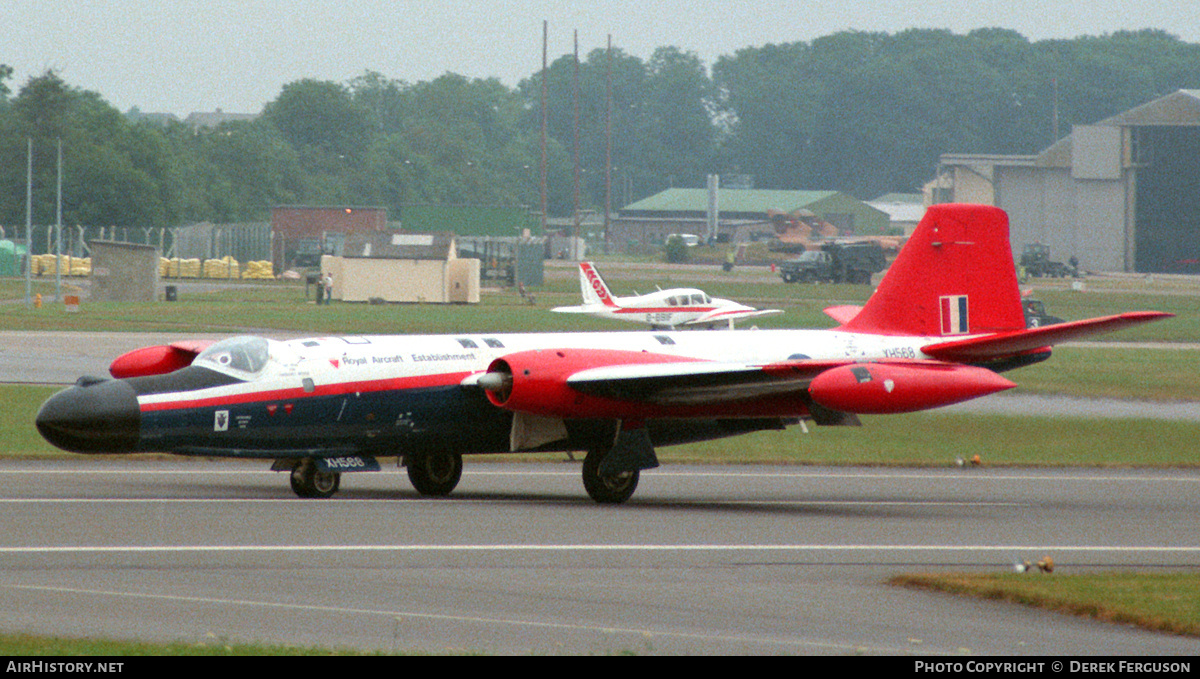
(1036, 262)
(836, 263)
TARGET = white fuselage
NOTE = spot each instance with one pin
(668, 308)
(329, 360)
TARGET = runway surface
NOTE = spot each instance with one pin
(61, 357)
(703, 560)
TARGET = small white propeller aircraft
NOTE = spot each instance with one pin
(944, 322)
(662, 309)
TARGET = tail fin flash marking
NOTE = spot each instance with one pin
(955, 320)
(593, 287)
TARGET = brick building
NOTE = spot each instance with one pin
(300, 234)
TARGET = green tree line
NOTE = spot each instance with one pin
(860, 112)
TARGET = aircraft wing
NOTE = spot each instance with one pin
(637, 385)
(829, 389)
(578, 309)
(723, 315)
(697, 382)
(1009, 343)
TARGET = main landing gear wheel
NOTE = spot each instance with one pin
(434, 473)
(613, 489)
(308, 481)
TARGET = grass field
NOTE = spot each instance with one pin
(283, 306)
(1162, 602)
(936, 439)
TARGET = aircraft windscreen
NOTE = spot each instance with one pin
(242, 357)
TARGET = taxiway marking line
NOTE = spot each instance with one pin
(509, 548)
(397, 615)
(352, 502)
(970, 475)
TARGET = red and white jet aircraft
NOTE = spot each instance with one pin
(662, 309)
(945, 320)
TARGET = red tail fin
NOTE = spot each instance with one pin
(595, 290)
(955, 276)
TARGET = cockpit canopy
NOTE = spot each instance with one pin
(692, 297)
(242, 357)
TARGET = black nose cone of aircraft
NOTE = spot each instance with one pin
(94, 416)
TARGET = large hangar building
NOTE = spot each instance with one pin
(1122, 194)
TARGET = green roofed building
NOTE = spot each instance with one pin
(470, 220)
(743, 215)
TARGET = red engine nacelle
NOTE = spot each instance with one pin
(884, 388)
(536, 382)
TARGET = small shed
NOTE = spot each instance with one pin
(123, 272)
(12, 257)
(402, 267)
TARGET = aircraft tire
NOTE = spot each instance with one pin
(308, 482)
(434, 474)
(606, 489)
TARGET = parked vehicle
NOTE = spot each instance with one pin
(1036, 262)
(836, 263)
(1035, 313)
(689, 239)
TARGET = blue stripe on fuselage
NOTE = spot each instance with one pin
(388, 422)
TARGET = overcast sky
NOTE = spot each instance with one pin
(180, 56)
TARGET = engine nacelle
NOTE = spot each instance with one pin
(536, 382)
(885, 388)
